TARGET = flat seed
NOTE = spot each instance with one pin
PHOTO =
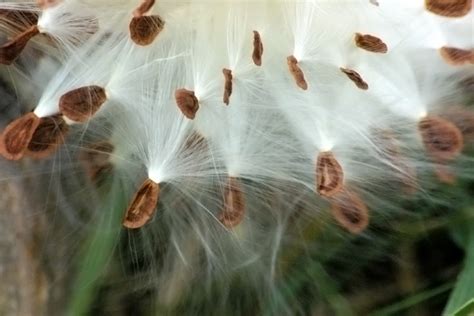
(187, 102)
(449, 8)
(143, 205)
(49, 134)
(10, 51)
(456, 56)
(228, 85)
(257, 49)
(96, 160)
(370, 43)
(329, 175)
(17, 136)
(80, 105)
(350, 211)
(355, 77)
(441, 138)
(144, 29)
(234, 204)
(297, 73)
(143, 8)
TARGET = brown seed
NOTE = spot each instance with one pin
(49, 134)
(441, 138)
(257, 49)
(370, 43)
(463, 118)
(143, 205)
(456, 56)
(10, 51)
(350, 211)
(228, 85)
(17, 136)
(81, 104)
(187, 102)
(329, 175)
(143, 8)
(449, 8)
(234, 204)
(356, 78)
(96, 160)
(296, 72)
(144, 29)
(444, 174)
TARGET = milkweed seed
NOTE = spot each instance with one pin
(144, 29)
(234, 204)
(350, 211)
(297, 73)
(257, 49)
(10, 51)
(17, 136)
(228, 85)
(370, 43)
(143, 205)
(187, 102)
(456, 56)
(329, 175)
(355, 77)
(441, 138)
(143, 8)
(449, 8)
(49, 134)
(81, 104)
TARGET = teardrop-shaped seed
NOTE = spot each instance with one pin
(17, 136)
(187, 102)
(456, 56)
(329, 174)
(234, 204)
(227, 85)
(80, 105)
(143, 205)
(257, 49)
(441, 138)
(296, 72)
(10, 51)
(49, 134)
(449, 8)
(370, 43)
(144, 29)
(355, 77)
(350, 211)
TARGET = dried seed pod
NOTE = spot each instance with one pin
(17, 136)
(329, 175)
(441, 138)
(350, 211)
(356, 78)
(234, 204)
(257, 49)
(228, 85)
(370, 43)
(457, 56)
(187, 102)
(10, 51)
(49, 134)
(449, 8)
(296, 72)
(143, 8)
(143, 205)
(96, 160)
(80, 105)
(144, 29)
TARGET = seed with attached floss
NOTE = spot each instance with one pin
(355, 77)
(234, 204)
(17, 136)
(144, 29)
(81, 104)
(449, 8)
(257, 49)
(456, 56)
(143, 205)
(143, 8)
(228, 85)
(441, 138)
(297, 73)
(187, 102)
(329, 175)
(350, 211)
(49, 134)
(370, 43)
(10, 51)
